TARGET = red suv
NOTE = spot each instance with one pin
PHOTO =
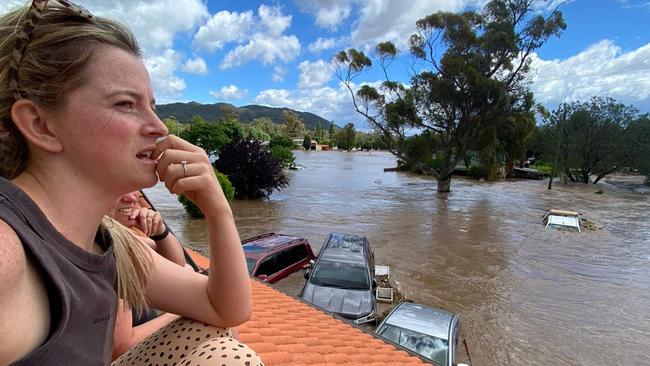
(272, 257)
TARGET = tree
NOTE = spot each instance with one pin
(266, 125)
(345, 138)
(331, 131)
(637, 139)
(293, 126)
(251, 168)
(194, 211)
(254, 133)
(478, 79)
(306, 142)
(281, 140)
(173, 126)
(319, 134)
(208, 136)
(284, 155)
(233, 129)
(228, 112)
(592, 137)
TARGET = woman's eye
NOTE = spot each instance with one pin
(125, 104)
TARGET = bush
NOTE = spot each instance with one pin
(281, 140)
(194, 211)
(283, 155)
(251, 168)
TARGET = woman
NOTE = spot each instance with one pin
(78, 130)
(131, 326)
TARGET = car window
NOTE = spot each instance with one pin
(268, 267)
(250, 263)
(341, 275)
(428, 346)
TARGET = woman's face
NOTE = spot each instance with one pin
(123, 208)
(107, 126)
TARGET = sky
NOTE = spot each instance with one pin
(277, 53)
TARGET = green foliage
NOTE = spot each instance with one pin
(281, 140)
(345, 138)
(228, 191)
(331, 131)
(255, 133)
(477, 83)
(251, 168)
(319, 133)
(637, 141)
(208, 136)
(293, 125)
(306, 142)
(591, 137)
(284, 155)
(232, 129)
(173, 126)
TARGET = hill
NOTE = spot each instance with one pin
(214, 112)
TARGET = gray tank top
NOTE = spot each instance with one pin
(80, 285)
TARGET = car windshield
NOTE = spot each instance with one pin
(250, 262)
(341, 275)
(428, 346)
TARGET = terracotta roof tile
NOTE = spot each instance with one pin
(285, 331)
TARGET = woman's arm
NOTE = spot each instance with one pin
(223, 298)
(152, 225)
(126, 335)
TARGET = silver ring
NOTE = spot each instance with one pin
(184, 162)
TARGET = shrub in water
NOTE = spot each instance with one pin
(228, 191)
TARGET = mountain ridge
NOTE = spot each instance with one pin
(183, 112)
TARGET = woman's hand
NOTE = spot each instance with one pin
(148, 221)
(186, 169)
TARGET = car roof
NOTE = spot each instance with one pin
(266, 243)
(422, 319)
(344, 248)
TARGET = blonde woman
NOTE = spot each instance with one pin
(78, 130)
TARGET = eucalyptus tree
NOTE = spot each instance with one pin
(469, 74)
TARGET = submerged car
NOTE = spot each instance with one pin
(429, 332)
(562, 219)
(342, 279)
(272, 257)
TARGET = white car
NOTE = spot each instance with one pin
(429, 332)
(562, 219)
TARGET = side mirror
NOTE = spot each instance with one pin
(263, 277)
(306, 274)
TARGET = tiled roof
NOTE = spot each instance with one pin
(286, 331)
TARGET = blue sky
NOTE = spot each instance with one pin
(277, 53)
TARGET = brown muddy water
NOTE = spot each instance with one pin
(526, 295)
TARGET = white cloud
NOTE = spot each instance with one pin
(278, 73)
(222, 28)
(387, 20)
(7, 5)
(229, 92)
(330, 103)
(329, 13)
(155, 24)
(601, 69)
(324, 44)
(195, 66)
(263, 49)
(268, 44)
(273, 21)
(166, 85)
(314, 74)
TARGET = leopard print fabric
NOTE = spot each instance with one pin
(187, 342)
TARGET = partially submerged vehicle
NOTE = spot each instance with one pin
(272, 257)
(429, 332)
(562, 219)
(341, 280)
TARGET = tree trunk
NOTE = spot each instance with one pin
(510, 168)
(444, 184)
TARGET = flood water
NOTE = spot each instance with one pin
(525, 295)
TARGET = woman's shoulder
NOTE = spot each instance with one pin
(12, 258)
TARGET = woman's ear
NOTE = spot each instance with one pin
(31, 120)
